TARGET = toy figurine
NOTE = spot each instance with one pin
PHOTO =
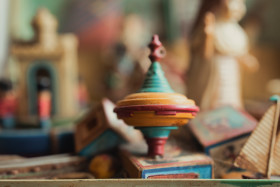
(44, 102)
(7, 104)
(156, 109)
(82, 94)
(261, 152)
(219, 47)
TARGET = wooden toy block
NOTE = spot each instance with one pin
(100, 130)
(175, 164)
(222, 132)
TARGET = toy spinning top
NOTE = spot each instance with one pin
(156, 109)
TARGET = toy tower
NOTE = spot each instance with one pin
(51, 58)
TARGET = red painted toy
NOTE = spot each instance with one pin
(7, 104)
(156, 109)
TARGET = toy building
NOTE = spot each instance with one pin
(222, 133)
(100, 130)
(49, 57)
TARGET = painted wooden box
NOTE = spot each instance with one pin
(175, 164)
(100, 130)
(222, 133)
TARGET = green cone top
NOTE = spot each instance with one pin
(155, 80)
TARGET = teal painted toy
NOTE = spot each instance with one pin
(275, 98)
(155, 109)
(100, 130)
(155, 80)
(177, 163)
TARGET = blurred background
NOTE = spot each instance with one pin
(113, 34)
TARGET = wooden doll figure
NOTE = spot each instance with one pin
(7, 104)
(44, 102)
(219, 47)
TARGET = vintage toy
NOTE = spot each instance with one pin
(8, 103)
(103, 166)
(156, 109)
(219, 46)
(44, 102)
(49, 56)
(261, 153)
(100, 130)
(46, 88)
(177, 163)
(222, 132)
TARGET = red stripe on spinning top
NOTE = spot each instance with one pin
(159, 109)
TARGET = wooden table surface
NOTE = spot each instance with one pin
(137, 182)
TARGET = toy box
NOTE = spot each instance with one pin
(176, 163)
(222, 133)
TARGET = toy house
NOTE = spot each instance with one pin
(49, 56)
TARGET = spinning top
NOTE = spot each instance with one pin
(156, 109)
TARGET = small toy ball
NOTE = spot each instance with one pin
(102, 166)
